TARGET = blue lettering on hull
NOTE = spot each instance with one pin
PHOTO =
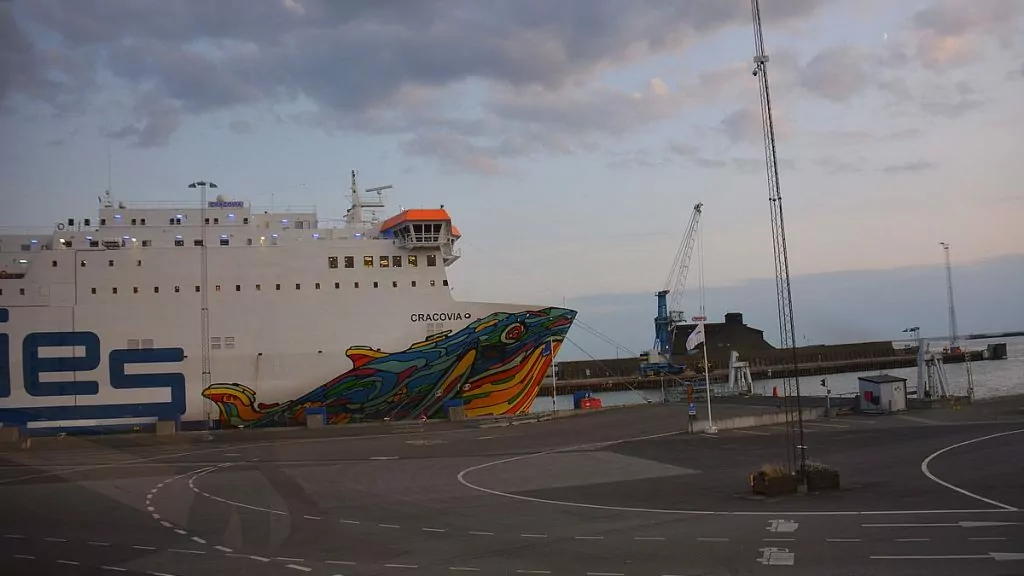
(35, 364)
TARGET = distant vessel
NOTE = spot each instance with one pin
(219, 314)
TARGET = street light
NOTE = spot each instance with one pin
(204, 318)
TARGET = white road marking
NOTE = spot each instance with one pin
(924, 469)
(389, 525)
(159, 574)
(605, 574)
(433, 529)
(401, 566)
(383, 457)
(180, 531)
(751, 432)
(223, 548)
(825, 425)
(346, 562)
(114, 568)
(288, 559)
(782, 526)
(712, 539)
(297, 567)
(961, 524)
(143, 547)
(913, 539)
(150, 508)
(156, 516)
(198, 539)
(182, 551)
(98, 543)
(71, 562)
(463, 569)
(648, 538)
(588, 537)
(989, 538)
(477, 533)
(13, 536)
(534, 535)
(260, 558)
(533, 571)
(942, 557)
(166, 524)
(842, 540)
(55, 539)
(778, 539)
(25, 556)
(349, 521)
(312, 517)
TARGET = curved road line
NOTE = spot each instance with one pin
(924, 469)
(462, 480)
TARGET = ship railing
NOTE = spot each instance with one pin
(286, 209)
(27, 230)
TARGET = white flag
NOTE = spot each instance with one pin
(696, 337)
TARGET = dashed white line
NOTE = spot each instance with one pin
(159, 574)
(180, 531)
(913, 539)
(778, 539)
(988, 538)
(150, 508)
(98, 543)
(260, 558)
(115, 568)
(478, 533)
(183, 551)
(25, 556)
(433, 529)
(144, 547)
(751, 432)
(312, 517)
(166, 524)
(349, 521)
(401, 566)
(842, 540)
(534, 535)
(345, 562)
(223, 548)
(605, 574)
(648, 538)
(297, 567)
(389, 525)
(383, 457)
(588, 537)
(533, 571)
(463, 569)
(198, 539)
(55, 539)
(712, 539)
(13, 536)
(287, 559)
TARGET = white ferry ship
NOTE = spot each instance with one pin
(218, 314)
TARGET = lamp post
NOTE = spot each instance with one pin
(204, 318)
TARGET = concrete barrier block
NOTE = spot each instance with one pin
(166, 428)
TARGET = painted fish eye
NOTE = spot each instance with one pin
(513, 333)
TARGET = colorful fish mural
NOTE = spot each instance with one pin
(494, 365)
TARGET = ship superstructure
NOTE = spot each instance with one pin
(101, 324)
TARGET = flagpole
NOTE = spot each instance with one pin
(703, 317)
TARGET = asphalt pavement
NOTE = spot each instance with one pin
(621, 492)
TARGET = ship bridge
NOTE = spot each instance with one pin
(424, 228)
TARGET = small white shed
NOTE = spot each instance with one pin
(882, 393)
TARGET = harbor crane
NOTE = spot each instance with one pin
(658, 361)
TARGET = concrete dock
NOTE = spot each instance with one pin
(622, 492)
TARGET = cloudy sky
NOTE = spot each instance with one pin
(568, 139)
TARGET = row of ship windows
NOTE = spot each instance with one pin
(394, 261)
(259, 287)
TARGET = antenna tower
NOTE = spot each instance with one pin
(796, 448)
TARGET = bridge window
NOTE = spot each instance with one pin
(316, 286)
(94, 243)
(332, 262)
(197, 288)
(412, 260)
(431, 259)
(337, 285)
(179, 242)
(298, 287)
(277, 287)
(177, 289)
(259, 287)
(350, 262)
(143, 221)
(413, 283)
(444, 282)
(94, 290)
(54, 264)
(368, 261)
(133, 222)
(216, 220)
(138, 262)
(147, 243)
(156, 289)
(21, 291)
(225, 241)
(82, 263)
(376, 285)
(135, 289)
(197, 242)
(385, 261)
(110, 263)
(355, 284)
(216, 288)
(396, 261)
(394, 283)
(433, 283)
(113, 290)
(238, 287)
